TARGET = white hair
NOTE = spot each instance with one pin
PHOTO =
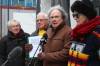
(61, 9)
(12, 21)
(42, 14)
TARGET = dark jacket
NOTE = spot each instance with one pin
(8, 43)
(35, 33)
(86, 44)
(54, 49)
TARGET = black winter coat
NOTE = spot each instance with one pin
(8, 43)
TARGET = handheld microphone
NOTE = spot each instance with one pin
(17, 51)
(43, 39)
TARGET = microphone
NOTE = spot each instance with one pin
(17, 51)
(43, 39)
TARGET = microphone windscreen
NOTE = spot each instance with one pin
(45, 36)
(17, 51)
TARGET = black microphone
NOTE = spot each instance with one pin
(17, 51)
(44, 39)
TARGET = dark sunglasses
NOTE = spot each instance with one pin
(76, 15)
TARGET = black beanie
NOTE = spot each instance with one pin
(85, 7)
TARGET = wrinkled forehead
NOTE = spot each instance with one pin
(13, 23)
(42, 16)
(55, 12)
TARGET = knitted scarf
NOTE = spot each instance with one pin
(81, 30)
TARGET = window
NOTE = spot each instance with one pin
(4, 2)
(21, 2)
(28, 3)
(14, 2)
(34, 3)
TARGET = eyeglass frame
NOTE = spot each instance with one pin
(76, 15)
(51, 17)
(40, 20)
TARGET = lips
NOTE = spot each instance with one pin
(54, 22)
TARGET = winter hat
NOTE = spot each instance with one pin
(84, 7)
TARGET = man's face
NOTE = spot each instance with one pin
(55, 18)
(15, 28)
(41, 21)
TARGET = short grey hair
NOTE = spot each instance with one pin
(11, 21)
(61, 9)
(43, 14)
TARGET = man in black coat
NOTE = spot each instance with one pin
(15, 37)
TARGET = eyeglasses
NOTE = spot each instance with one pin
(51, 17)
(76, 15)
(40, 20)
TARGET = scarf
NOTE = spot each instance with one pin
(19, 35)
(81, 30)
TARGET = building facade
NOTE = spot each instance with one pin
(8, 7)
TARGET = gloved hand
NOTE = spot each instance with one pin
(28, 47)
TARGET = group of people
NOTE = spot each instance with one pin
(79, 46)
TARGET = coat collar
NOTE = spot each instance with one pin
(20, 34)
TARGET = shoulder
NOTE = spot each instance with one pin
(4, 38)
(66, 30)
(26, 34)
(35, 33)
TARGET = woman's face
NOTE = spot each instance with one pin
(55, 18)
(80, 18)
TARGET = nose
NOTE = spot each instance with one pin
(38, 21)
